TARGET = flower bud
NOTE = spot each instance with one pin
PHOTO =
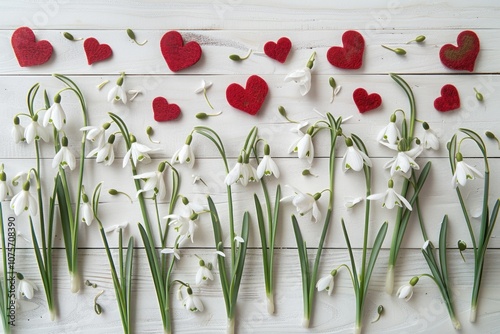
(161, 167)
(113, 192)
(131, 34)
(202, 263)
(282, 111)
(414, 281)
(400, 51)
(461, 245)
(57, 98)
(267, 149)
(111, 139)
(392, 119)
(425, 125)
(64, 141)
(106, 125)
(332, 82)
(348, 142)
(201, 115)
(235, 57)
(420, 39)
(185, 201)
(459, 157)
(490, 135)
(317, 196)
(132, 138)
(149, 131)
(68, 36)
(16, 120)
(189, 139)
(26, 186)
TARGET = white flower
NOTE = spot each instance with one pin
(429, 140)
(426, 244)
(390, 198)
(390, 133)
(184, 224)
(87, 213)
(234, 174)
(354, 158)
(118, 92)
(267, 166)
(25, 288)
(5, 190)
(464, 172)
(138, 152)
(297, 128)
(18, 131)
(185, 154)
(327, 282)
(243, 172)
(175, 251)
(304, 203)
(64, 157)
(204, 86)
(192, 303)
(24, 201)
(96, 134)
(154, 181)
(105, 153)
(203, 274)
(34, 131)
(403, 161)
(350, 202)
(239, 240)
(301, 77)
(55, 115)
(116, 227)
(405, 292)
(304, 146)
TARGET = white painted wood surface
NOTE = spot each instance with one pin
(223, 27)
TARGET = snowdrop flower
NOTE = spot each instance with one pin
(354, 158)
(463, 172)
(302, 77)
(96, 134)
(192, 303)
(18, 131)
(116, 227)
(174, 250)
(5, 190)
(235, 173)
(404, 161)
(105, 153)
(25, 288)
(184, 224)
(243, 172)
(304, 203)
(350, 202)
(87, 212)
(204, 86)
(185, 154)
(304, 146)
(118, 93)
(326, 282)
(406, 291)
(138, 152)
(34, 131)
(390, 133)
(390, 198)
(239, 240)
(154, 181)
(55, 114)
(203, 274)
(267, 166)
(297, 128)
(24, 201)
(64, 157)
(429, 140)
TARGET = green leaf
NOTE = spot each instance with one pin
(304, 265)
(411, 98)
(351, 257)
(262, 232)
(128, 274)
(240, 263)
(377, 244)
(452, 152)
(442, 250)
(64, 215)
(477, 138)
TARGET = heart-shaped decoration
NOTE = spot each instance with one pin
(250, 98)
(449, 99)
(163, 111)
(28, 51)
(463, 56)
(364, 101)
(279, 50)
(350, 56)
(95, 51)
(177, 54)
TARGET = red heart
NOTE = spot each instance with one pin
(449, 99)
(177, 54)
(28, 51)
(351, 55)
(279, 50)
(248, 99)
(463, 56)
(96, 52)
(365, 101)
(163, 111)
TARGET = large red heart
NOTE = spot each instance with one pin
(365, 101)
(250, 98)
(177, 54)
(463, 56)
(449, 99)
(279, 50)
(95, 51)
(350, 56)
(163, 111)
(28, 51)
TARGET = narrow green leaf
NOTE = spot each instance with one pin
(65, 220)
(240, 263)
(303, 263)
(452, 152)
(351, 257)
(377, 244)
(128, 275)
(442, 250)
(262, 232)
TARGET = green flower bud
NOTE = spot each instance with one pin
(202, 263)
(106, 125)
(132, 138)
(26, 186)
(68, 36)
(317, 196)
(85, 198)
(185, 200)
(392, 119)
(400, 51)
(267, 149)
(414, 281)
(161, 167)
(97, 309)
(461, 245)
(332, 82)
(390, 184)
(380, 309)
(111, 139)
(16, 120)
(425, 125)
(420, 39)
(149, 131)
(131, 34)
(348, 142)
(19, 276)
(201, 115)
(282, 111)
(64, 141)
(57, 98)
(459, 157)
(235, 57)
(490, 135)
(189, 139)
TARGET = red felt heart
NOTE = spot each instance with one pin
(177, 54)
(28, 51)
(163, 111)
(449, 99)
(365, 101)
(95, 51)
(463, 56)
(279, 50)
(350, 56)
(250, 98)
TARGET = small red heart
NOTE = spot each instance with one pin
(449, 99)
(177, 54)
(95, 51)
(250, 98)
(163, 111)
(463, 56)
(365, 101)
(28, 51)
(279, 50)
(351, 55)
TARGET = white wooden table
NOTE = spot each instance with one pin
(224, 27)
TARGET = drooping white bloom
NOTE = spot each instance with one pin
(185, 154)
(96, 134)
(234, 174)
(184, 223)
(18, 131)
(304, 146)
(390, 133)
(354, 158)
(429, 140)
(192, 303)
(138, 152)
(327, 282)
(35, 131)
(464, 172)
(154, 181)
(405, 292)
(55, 115)
(203, 274)
(239, 240)
(304, 203)
(204, 86)
(174, 250)
(87, 213)
(404, 161)
(25, 288)
(243, 172)
(116, 227)
(267, 166)
(106, 153)
(350, 202)
(64, 157)
(118, 92)
(5, 190)
(24, 201)
(390, 198)
(302, 77)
